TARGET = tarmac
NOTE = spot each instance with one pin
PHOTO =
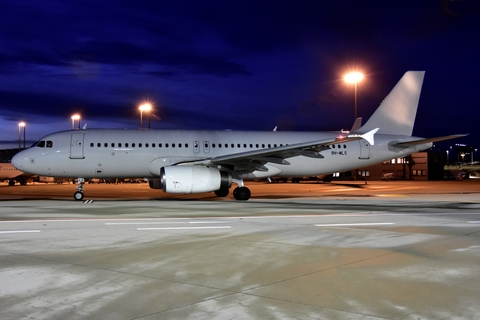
(344, 250)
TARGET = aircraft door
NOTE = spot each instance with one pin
(206, 147)
(196, 147)
(364, 149)
(76, 146)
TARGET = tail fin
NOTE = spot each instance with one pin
(396, 114)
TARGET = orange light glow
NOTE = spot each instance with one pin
(353, 77)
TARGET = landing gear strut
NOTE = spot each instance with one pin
(78, 195)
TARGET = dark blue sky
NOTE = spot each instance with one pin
(242, 65)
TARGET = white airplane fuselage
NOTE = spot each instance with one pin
(206, 161)
(106, 153)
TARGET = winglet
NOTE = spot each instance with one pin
(369, 136)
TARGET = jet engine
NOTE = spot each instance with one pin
(191, 179)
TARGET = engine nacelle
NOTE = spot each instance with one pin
(192, 179)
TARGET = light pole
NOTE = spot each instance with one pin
(146, 107)
(21, 125)
(354, 78)
(75, 117)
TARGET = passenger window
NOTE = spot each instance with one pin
(92, 144)
(139, 145)
(166, 145)
(105, 144)
(173, 145)
(146, 145)
(133, 145)
(99, 144)
(153, 145)
(186, 145)
(113, 145)
(120, 145)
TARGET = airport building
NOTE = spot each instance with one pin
(421, 166)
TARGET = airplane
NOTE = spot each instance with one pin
(12, 174)
(187, 161)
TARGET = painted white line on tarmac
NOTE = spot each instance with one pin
(185, 228)
(130, 223)
(20, 231)
(473, 221)
(353, 224)
(164, 222)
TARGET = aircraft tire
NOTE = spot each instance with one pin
(241, 193)
(78, 195)
(222, 193)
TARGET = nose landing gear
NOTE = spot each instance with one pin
(78, 195)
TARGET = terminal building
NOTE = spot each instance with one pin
(420, 166)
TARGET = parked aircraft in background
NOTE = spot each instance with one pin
(205, 161)
(12, 174)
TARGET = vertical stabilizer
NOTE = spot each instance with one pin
(396, 114)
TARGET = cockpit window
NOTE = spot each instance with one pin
(44, 143)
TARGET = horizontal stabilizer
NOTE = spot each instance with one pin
(422, 141)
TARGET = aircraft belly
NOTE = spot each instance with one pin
(305, 166)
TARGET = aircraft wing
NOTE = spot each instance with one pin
(254, 160)
(422, 141)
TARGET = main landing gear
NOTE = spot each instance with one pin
(239, 193)
(78, 195)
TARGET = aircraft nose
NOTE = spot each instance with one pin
(19, 160)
